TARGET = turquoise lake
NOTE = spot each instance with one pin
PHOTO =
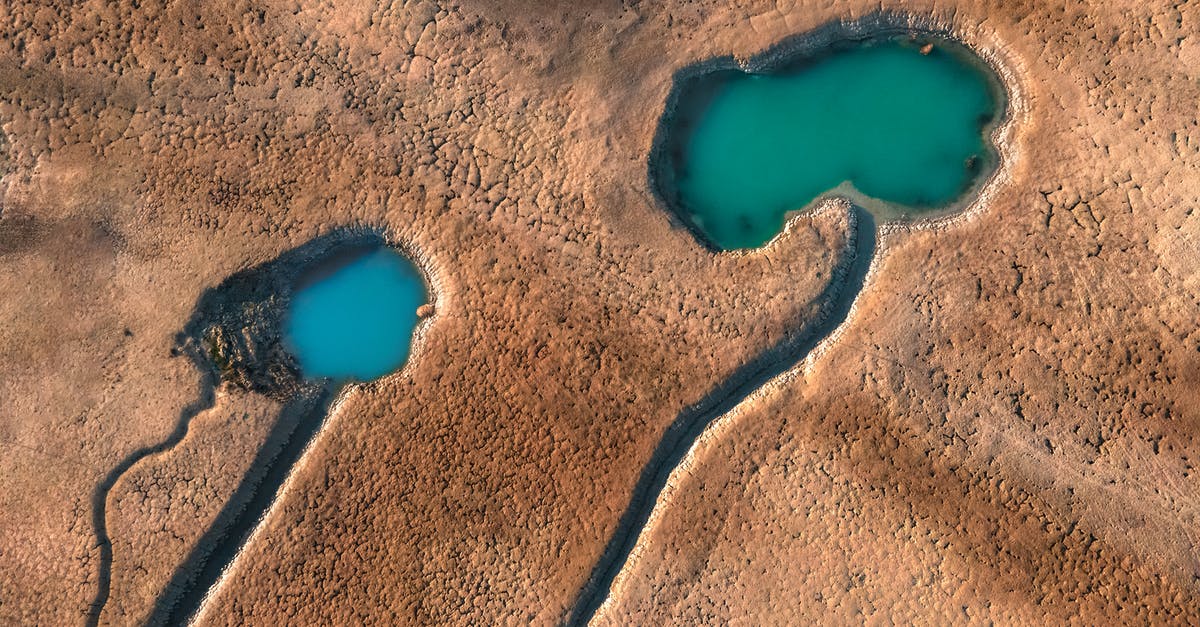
(355, 320)
(900, 126)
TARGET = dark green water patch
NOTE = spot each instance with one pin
(900, 124)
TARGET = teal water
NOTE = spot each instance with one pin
(901, 127)
(357, 320)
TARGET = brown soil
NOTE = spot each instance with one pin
(1005, 429)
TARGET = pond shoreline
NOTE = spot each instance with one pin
(988, 58)
(249, 308)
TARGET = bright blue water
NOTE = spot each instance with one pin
(902, 127)
(357, 321)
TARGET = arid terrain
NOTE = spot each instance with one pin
(1004, 427)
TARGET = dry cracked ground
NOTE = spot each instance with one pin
(1004, 430)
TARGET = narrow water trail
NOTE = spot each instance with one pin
(298, 422)
(692, 422)
(100, 496)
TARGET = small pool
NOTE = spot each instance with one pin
(353, 317)
(900, 121)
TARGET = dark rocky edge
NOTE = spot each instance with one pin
(238, 325)
(235, 338)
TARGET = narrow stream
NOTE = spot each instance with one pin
(692, 421)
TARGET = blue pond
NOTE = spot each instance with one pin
(884, 119)
(354, 319)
